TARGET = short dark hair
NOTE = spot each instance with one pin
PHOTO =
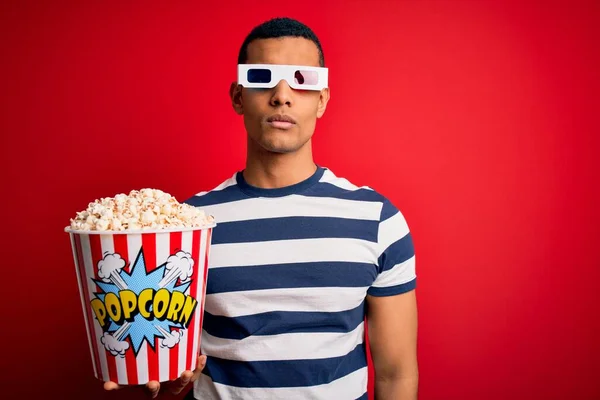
(278, 28)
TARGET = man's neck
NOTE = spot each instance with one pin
(271, 170)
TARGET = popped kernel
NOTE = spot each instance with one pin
(139, 210)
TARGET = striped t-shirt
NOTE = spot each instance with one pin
(289, 271)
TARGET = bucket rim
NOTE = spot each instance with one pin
(70, 230)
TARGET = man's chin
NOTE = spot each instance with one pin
(280, 146)
(281, 149)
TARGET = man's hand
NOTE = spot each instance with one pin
(176, 386)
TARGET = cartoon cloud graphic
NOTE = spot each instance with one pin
(113, 342)
(170, 338)
(109, 268)
(179, 265)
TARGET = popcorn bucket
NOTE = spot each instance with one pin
(142, 295)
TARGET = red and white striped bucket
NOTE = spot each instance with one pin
(142, 296)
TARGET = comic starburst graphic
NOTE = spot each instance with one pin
(116, 279)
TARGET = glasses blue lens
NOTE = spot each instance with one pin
(257, 75)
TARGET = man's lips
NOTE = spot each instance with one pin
(281, 118)
(281, 121)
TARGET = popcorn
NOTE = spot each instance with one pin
(139, 210)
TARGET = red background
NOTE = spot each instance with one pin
(478, 119)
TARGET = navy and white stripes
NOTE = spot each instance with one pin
(289, 272)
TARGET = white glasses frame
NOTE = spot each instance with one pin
(283, 72)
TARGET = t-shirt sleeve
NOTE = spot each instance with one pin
(396, 260)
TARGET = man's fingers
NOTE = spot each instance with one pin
(111, 386)
(188, 376)
(182, 382)
(199, 367)
(153, 388)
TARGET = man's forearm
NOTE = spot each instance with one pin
(401, 388)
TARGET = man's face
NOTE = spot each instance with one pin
(262, 107)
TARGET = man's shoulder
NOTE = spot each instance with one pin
(343, 188)
(225, 191)
(340, 186)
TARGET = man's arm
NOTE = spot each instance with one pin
(392, 330)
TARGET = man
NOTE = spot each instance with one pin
(300, 256)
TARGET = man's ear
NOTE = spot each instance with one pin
(235, 93)
(323, 100)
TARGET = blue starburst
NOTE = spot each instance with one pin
(142, 329)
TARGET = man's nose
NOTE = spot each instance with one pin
(282, 94)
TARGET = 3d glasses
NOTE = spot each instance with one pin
(266, 76)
